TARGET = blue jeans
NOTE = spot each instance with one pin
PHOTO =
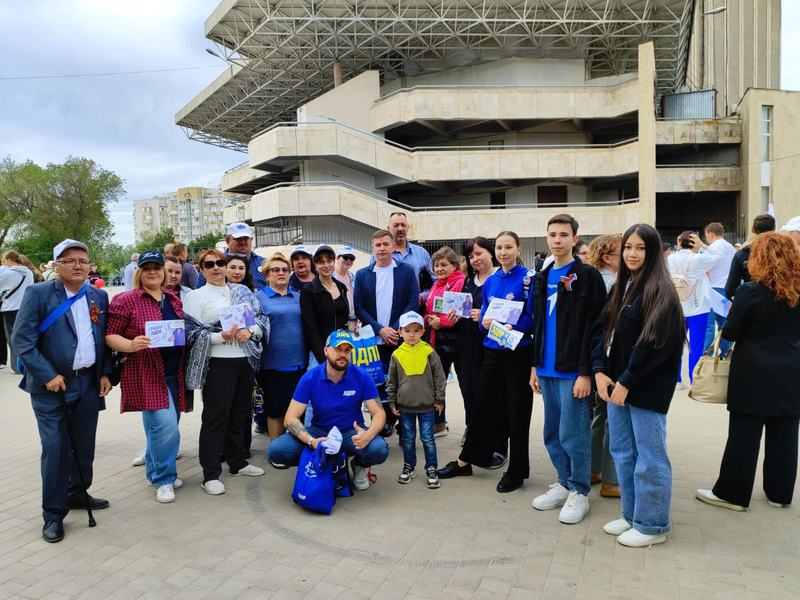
(639, 448)
(286, 450)
(408, 440)
(567, 433)
(714, 321)
(312, 362)
(163, 442)
(696, 326)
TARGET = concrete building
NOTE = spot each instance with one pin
(191, 212)
(478, 117)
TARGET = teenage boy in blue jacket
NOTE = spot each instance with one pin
(381, 293)
(566, 300)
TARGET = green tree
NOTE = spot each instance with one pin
(206, 241)
(39, 207)
(156, 242)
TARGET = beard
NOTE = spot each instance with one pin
(337, 367)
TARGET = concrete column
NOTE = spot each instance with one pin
(647, 134)
(337, 74)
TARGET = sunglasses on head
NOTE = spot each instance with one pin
(210, 264)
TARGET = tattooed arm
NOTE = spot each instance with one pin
(295, 426)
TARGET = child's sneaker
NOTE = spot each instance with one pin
(433, 479)
(407, 475)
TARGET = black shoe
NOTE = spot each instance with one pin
(508, 484)
(53, 531)
(386, 431)
(498, 460)
(278, 466)
(79, 502)
(452, 469)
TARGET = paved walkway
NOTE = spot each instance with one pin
(394, 541)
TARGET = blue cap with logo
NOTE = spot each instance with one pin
(339, 337)
(151, 256)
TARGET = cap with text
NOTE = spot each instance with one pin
(346, 251)
(339, 337)
(151, 256)
(66, 245)
(239, 230)
(792, 225)
(301, 249)
(411, 317)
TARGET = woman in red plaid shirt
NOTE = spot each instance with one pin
(152, 378)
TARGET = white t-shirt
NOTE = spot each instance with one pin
(723, 251)
(203, 304)
(85, 352)
(694, 267)
(384, 290)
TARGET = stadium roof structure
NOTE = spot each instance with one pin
(283, 52)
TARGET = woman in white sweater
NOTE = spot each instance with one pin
(13, 282)
(222, 362)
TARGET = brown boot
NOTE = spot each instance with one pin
(440, 429)
(608, 490)
(596, 478)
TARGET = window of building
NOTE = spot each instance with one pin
(766, 132)
(551, 194)
(765, 198)
(497, 199)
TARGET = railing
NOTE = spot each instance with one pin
(699, 166)
(244, 164)
(458, 207)
(503, 87)
(462, 148)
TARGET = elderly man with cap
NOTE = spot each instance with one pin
(792, 229)
(60, 337)
(240, 242)
(336, 390)
(302, 267)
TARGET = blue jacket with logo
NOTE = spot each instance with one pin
(509, 286)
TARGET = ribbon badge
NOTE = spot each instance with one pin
(568, 281)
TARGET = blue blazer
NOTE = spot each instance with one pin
(405, 296)
(53, 352)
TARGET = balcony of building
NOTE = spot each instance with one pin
(241, 179)
(702, 132)
(281, 148)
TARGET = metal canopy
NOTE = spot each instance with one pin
(285, 50)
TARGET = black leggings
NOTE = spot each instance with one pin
(503, 403)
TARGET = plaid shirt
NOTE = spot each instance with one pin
(143, 383)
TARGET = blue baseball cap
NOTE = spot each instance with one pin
(339, 337)
(151, 256)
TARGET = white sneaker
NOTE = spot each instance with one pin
(360, 478)
(680, 386)
(178, 455)
(165, 494)
(139, 460)
(213, 487)
(634, 539)
(250, 471)
(178, 483)
(554, 498)
(575, 508)
(617, 527)
(777, 504)
(708, 497)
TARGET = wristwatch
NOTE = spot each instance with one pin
(308, 443)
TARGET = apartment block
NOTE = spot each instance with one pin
(190, 212)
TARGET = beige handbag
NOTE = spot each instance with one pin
(710, 379)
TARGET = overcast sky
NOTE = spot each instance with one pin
(126, 123)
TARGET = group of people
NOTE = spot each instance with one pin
(599, 334)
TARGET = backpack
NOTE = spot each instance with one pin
(683, 285)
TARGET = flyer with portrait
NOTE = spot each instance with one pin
(503, 336)
(459, 302)
(165, 334)
(505, 311)
(240, 315)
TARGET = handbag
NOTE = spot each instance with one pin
(711, 375)
(314, 482)
(117, 362)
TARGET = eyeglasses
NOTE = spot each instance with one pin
(209, 264)
(277, 270)
(72, 263)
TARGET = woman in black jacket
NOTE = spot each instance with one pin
(636, 359)
(323, 303)
(764, 385)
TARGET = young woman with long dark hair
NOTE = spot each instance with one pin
(636, 366)
(504, 378)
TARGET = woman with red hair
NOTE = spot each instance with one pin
(763, 390)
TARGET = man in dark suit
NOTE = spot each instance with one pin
(69, 356)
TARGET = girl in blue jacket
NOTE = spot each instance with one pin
(503, 391)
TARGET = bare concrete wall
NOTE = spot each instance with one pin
(349, 103)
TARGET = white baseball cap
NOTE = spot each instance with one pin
(66, 245)
(792, 224)
(345, 251)
(303, 249)
(411, 317)
(239, 230)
